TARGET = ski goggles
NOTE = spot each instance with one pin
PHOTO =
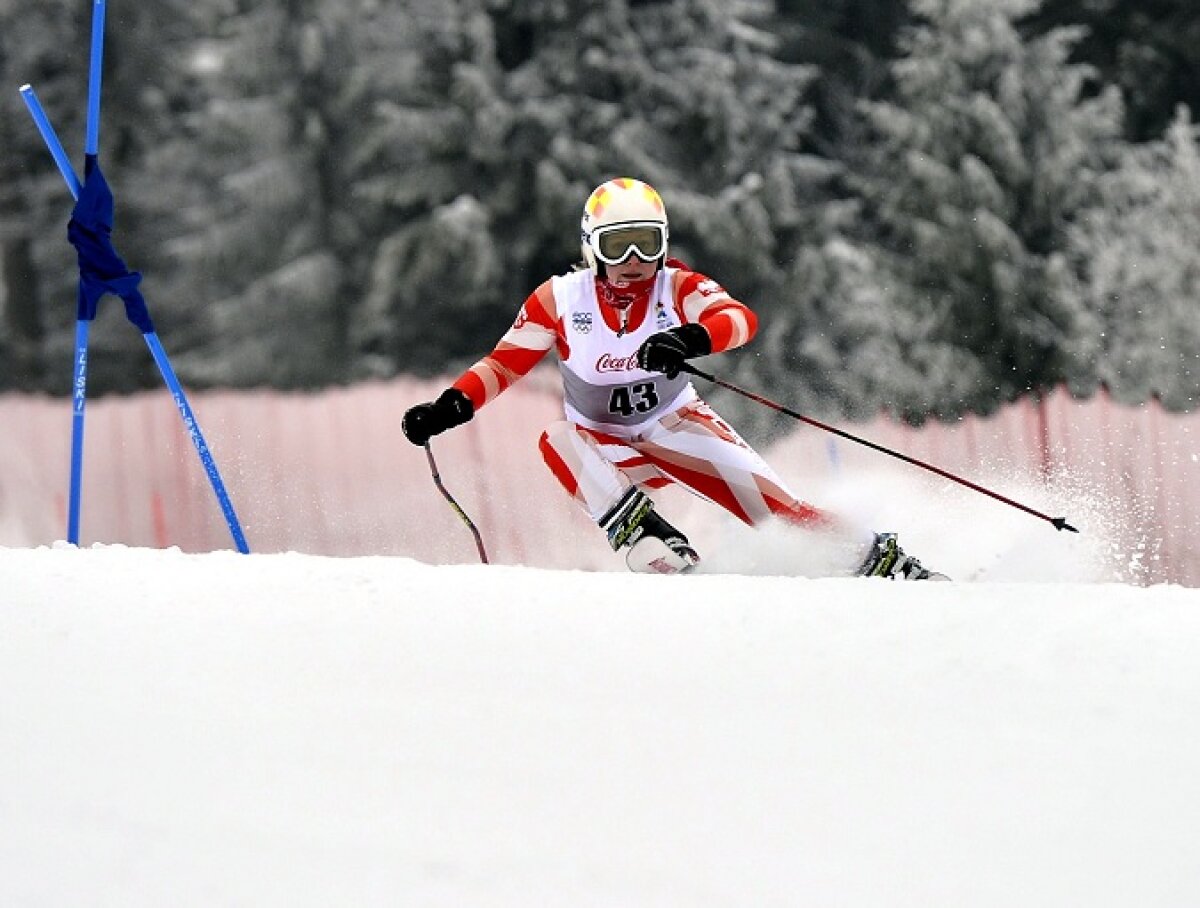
(614, 244)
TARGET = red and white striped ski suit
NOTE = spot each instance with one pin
(626, 425)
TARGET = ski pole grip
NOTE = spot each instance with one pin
(687, 367)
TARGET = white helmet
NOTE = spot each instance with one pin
(623, 217)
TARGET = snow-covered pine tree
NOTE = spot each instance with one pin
(259, 213)
(986, 153)
(430, 164)
(34, 202)
(1147, 48)
(1137, 271)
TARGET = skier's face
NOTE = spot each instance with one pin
(631, 270)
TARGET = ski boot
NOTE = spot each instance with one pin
(654, 546)
(887, 559)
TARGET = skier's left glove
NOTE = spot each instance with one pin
(422, 422)
(667, 350)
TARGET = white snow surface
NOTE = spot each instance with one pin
(293, 730)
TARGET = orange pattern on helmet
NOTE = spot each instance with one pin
(600, 195)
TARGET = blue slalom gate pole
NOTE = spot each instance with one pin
(95, 74)
(79, 380)
(82, 325)
(79, 402)
(51, 139)
(193, 429)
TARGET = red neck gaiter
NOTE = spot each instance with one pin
(622, 295)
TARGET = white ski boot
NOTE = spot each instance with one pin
(654, 546)
(887, 559)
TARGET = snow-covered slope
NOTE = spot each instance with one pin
(293, 730)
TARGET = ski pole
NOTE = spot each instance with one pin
(437, 481)
(1059, 523)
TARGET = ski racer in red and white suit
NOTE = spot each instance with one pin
(626, 425)
(622, 328)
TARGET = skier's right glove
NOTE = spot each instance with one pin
(666, 351)
(422, 422)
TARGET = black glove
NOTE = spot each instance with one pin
(422, 422)
(667, 350)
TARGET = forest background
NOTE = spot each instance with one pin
(935, 206)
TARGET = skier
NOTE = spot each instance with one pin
(623, 324)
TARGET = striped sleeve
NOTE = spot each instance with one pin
(700, 299)
(520, 349)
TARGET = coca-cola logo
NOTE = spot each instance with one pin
(607, 363)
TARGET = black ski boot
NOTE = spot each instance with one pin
(654, 546)
(887, 559)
